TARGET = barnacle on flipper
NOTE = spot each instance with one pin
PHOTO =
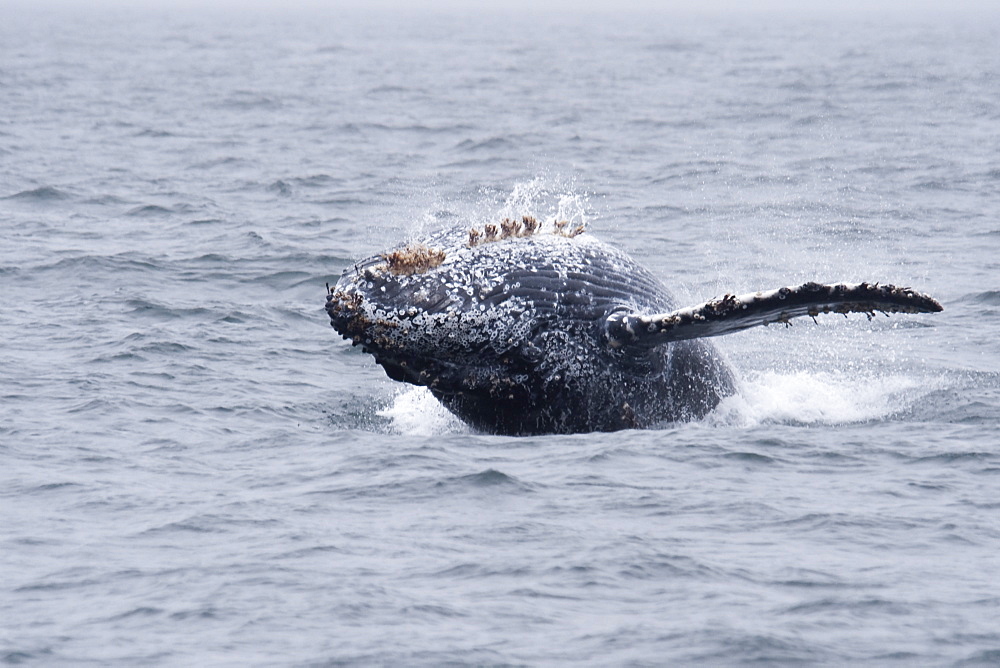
(413, 259)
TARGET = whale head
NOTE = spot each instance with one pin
(455, 312)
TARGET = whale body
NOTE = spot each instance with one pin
(527, 328)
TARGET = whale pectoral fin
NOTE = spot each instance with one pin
(732, 313)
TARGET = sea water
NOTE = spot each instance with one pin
(198, 471)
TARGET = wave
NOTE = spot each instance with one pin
(491, 144)
(149, 211)
(989, 298)
(86, 264)
(42, 194)
(156, 134)
(418, 128)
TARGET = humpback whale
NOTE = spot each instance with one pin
(524, 327)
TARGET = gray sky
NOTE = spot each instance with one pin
(791, 7)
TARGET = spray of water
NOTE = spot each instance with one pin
(545, 197)
(415, 411)
(817, 398)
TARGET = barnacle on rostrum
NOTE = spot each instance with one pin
(509, 228)
(413, 259)
(530, 225)
(474, 236)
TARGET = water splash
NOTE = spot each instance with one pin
(544, 196)
(414, 411)
(547, 196)
(823, 398)
(797, 398)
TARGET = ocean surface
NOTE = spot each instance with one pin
(196, 470)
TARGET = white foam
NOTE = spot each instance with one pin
(817, 398)
(414, 411)
(802, 397)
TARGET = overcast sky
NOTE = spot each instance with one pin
(901, 7)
